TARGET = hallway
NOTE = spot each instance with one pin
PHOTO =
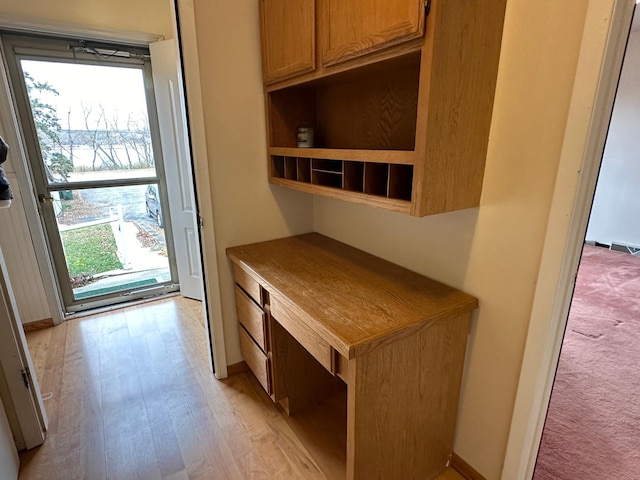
(133, 397)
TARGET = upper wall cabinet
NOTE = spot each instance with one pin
(352, 28)
(288, 38)
(399, 100)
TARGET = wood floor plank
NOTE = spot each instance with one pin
(133, 397)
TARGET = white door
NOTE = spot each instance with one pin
(9, 460)
(23, 392)
(169, 91)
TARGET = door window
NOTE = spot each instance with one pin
(92, 137)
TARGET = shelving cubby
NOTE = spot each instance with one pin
(364, 125)
(385, 180)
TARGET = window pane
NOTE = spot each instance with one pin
(91, 121)
(113, 238)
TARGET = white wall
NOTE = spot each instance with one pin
(15, 237)
(616, 206)
(21, 259)
(246, 208)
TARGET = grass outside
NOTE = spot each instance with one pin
(91, 250)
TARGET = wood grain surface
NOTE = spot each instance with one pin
(349, 29)
(288, 38)
(353, 300)
(251, 316)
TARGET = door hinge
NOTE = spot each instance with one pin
(25, 377)
(427, 7)
(43, 198)
(200, 222)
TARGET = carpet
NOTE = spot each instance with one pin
(592, 429)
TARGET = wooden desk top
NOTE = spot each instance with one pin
(352, 299)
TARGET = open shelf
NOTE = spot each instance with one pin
(370, 108)
(364, 123)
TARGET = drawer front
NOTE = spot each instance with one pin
(257, 361)
(342, 367)
(311, 341)
(251, 317)
(247, 282)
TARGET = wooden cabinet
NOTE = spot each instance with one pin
(288, 38)
(365, 356)
(349, 29)
(400, 102)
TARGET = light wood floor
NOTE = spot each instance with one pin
(133, 398)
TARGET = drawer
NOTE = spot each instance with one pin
(247, 282)
(298, 329)
(257, 361)
(252, 317)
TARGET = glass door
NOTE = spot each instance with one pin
(88, 116)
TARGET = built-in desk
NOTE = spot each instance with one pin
(317, 316)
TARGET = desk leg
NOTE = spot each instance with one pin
(402, 404)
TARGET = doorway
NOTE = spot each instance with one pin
(605, 37)
(89, 117)
(591, 425)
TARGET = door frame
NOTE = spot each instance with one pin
(604, 42)
(184, 26)
(184, 31)
(52, 49)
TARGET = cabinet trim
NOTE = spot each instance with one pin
(401, 206)
(402, 157)
(288, 72)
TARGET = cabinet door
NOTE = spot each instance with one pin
(355, 27)
(288, 38)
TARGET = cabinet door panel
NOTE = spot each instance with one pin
(288, 38)
(355, 27)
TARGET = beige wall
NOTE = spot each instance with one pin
(148, 16)
(492, 252)
(245, 207)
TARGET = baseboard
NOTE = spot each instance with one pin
(237, 368)
(464, 469)
(37, 325)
